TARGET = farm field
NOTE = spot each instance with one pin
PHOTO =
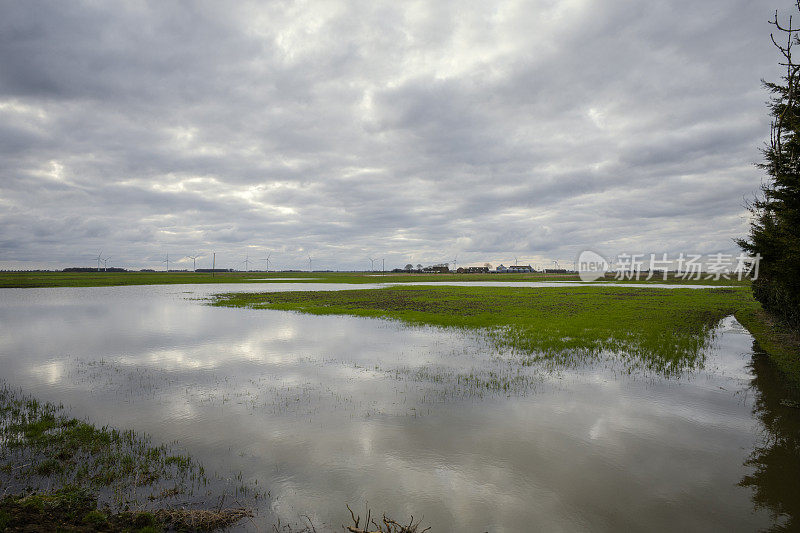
(104, 279)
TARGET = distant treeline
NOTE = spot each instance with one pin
(93, 269)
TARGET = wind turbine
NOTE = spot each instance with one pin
(455, 263)
(267, 260)
(99, 258)
(383, 265)
(105, 264)
(167, 262)
(309, 263)
(194, 261)
(371, 264)
(555, 262)
(246, 263)
(515, 260)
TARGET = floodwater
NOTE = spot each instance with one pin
(324, 411)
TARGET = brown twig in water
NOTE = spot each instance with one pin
(389, 525)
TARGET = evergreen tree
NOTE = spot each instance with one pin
(775, 229)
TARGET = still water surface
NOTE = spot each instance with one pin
(327, 410)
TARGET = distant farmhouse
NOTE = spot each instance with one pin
(437, 269)
(473, 270)
(515, 269)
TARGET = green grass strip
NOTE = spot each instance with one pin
(659, 329)
(782, 345)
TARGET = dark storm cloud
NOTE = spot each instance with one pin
(411, 131)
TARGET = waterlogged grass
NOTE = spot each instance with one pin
(105, 279)
(657, 329)
(43, 448)
(778, 341)
(40, 443)
(76, 509)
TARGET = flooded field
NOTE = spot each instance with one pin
(323, 411)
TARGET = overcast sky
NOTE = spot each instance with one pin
(412, 131)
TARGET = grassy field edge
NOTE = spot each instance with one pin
(782, 347)
(657, 329)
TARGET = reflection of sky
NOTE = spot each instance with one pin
(327, 410)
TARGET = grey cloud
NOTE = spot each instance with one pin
(353, 129)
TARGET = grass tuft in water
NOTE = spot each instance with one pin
(76, 509)
(44, 449)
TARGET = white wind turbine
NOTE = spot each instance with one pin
(194, 261)
(266, 258)
(99, 258)
(167, 262)
(455, 263)
(246, 263)
(371, 264)
(309, 264)
(105, 264)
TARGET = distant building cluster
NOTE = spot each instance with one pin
(473, 270)
(513, 269)
(444, 268)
